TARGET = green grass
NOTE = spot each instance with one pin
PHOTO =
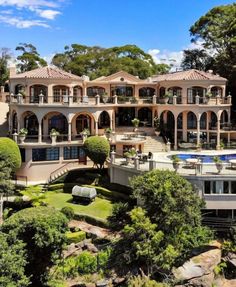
(100, 208)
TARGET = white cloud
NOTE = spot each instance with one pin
(25, 12)
(48, 14)
(22, 24)
(172, 58)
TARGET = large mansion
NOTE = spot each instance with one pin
(192, 107)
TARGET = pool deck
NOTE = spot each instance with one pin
(163, 160)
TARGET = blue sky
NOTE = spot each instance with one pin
(160, 27)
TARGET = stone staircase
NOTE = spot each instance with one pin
(154, 144)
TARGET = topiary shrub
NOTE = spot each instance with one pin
(97, 149)
(68, 212)
(10, 151)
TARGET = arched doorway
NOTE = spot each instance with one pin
(167, 124)
(145, 116)
(31, 123)
(83, 121)
(104, 120)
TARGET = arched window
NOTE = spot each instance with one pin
(59, 92)
(193, 92)
(95, 90)
(191, 121)
(146, 92)
(203, 121)
(216, 91)
(35, 91)
(77, 94)
(83, 122)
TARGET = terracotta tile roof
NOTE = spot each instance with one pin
(121, 74)
(48, 72)
(190, 75)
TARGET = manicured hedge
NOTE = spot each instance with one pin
(92, 220)
(75, 237)
(10, 150)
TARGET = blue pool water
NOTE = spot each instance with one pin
(207, 158)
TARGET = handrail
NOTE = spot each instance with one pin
(61, 168)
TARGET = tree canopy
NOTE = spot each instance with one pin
(42, 230)
(217, 30)
(97, 149)
(5, 56)
(197, 59)
(96, 61)
(30, 58)
(167, 226)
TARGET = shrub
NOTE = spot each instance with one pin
(86, 263)
(75, 237)
(97, 149)
(119, 217)
(68, 212)
(42, 229)
(10, 151)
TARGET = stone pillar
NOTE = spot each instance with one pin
(70, 100)
(218, 135)
(168, 146)
(198, 132)
(96, 128)
(113, 156)
(197, 99)
(15, 136)
(97, 99)
(40, 133)
(217, 99)
(115, 99)
(228, 140)
(154, 99)
(11, 98)
(111, 123)
(41, 98)
(19, 98)
(152, 164)
(229, 99)
(174, 100)
(136, 162)
(69, 131)
(176, 135)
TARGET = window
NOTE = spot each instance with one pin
(225, 187)
(207, 187)
(233, 187)
(45, 154)
(22, 153)
(71, 152)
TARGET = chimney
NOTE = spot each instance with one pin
(12, 71)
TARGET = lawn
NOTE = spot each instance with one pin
(100, 208)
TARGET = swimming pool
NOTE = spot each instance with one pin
(207, 158)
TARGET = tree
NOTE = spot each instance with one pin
(97, 149)
(11, 152)
(42, 230)
(197, 59)
(217, 29)
(168, 226)
(12, 263)
(30, 58)
(4, 58)
(97, 61)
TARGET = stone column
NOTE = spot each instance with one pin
(229, 99)
(198, 132)
(113, 156)
(197, 99)
(97, 99)
(174, 100)
(69, 131)
(40, 132)
(136, 162)
(154, 99)
(115, 99)
(217, 99)
(41, 98)
(176, 135)
(218, 135)
(96, 128)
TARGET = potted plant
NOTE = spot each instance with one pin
(22, 134)
(105, 97)
(85, 133)
(129, 155)
(108, 132)
(135, 123)
(176, 162)
(165, 98)
(53, 135)
(157, 126)
(219, 163)
(208, 96)
(222, 145)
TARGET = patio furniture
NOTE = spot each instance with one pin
(187, 145)
(191, 162)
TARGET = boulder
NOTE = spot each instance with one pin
(198, 271)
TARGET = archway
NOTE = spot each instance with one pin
(95, 90)
(77, 94)
(175, 91)
(216, 91)
(31, 123)
(104, 120)
(36, 90)
(167, 124)
(146, 92)
(191, 121)
(145, 116)
(83, 121)
(124, 116)
(193, 92)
